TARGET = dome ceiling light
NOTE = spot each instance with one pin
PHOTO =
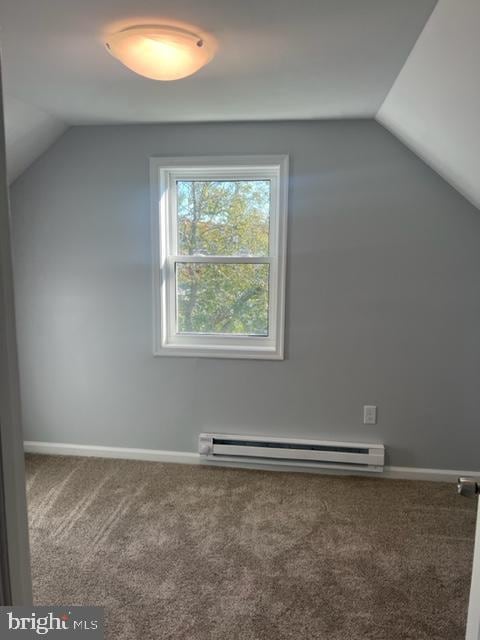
(161, 52)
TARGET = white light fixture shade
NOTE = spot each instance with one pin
(161, 52)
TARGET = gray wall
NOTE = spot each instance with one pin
(383, 296)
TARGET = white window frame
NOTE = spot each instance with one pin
(163, 174)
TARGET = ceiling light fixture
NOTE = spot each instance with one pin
(161, 52)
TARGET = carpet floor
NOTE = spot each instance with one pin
(187, 552)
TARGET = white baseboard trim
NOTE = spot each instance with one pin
(432, 475)
(186, 457)
(94, 451)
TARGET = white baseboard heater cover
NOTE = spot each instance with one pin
(293, 452)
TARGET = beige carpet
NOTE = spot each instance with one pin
(184, 552)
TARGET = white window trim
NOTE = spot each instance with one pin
(163, 173)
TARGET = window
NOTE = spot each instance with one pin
(219, 228)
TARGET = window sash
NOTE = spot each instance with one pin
(171, 294)
(208, 174)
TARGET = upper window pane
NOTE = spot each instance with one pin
(223, 217)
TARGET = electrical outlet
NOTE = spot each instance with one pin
(369, 414)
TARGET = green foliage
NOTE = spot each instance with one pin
(227, 218)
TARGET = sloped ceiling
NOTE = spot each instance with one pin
(434, 104)
(277, 59)
(29, 131)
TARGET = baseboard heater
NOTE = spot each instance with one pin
(293, 452)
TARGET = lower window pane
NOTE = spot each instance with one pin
(222, 298)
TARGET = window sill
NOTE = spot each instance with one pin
(234, 353)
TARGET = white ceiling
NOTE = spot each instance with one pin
(434, 105)
(277, 58)
(29, 131)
